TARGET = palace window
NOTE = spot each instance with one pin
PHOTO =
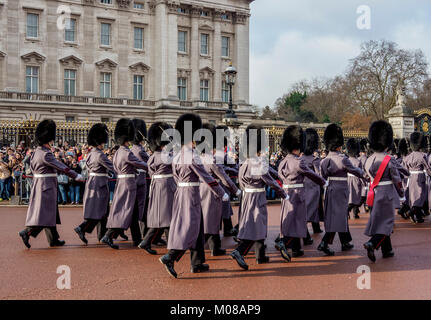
(224, 92)
(32, 25)
(225, 46)
(70, 118)
(105, 84)
(138, 87)
(138, 38)
(225, 16)
(182, 10)
(70, 82)
(105, 34)
(204, 14)
(69, 31)
(205, 90)
(138, 5)
(106, 1)
(182, 41)
(32, 79)
(182, 89)
(204, 44)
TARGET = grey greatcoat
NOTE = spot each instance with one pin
(355, 184)
(254, 174)
(336, 201)
(362, 159)
(312, 194)
(404, 180)
(417, 164)
(223, 159)
(162, 190)
(385, 196)
(141, 180)
(292, 170)
(96, 194)
(42, 209)
(211, 205)
(125, 163)
(187, 211)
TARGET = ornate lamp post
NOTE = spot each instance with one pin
(230, 77)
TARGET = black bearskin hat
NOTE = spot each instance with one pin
(418, 141)
(97, 135)
(45, 132)
(182, 124)
(333, 137)
(364, 145)
(403, 147)
(226, 132)
(252, 140)
(311, 141)
(124, 131)
(155, 135)
(206, 144)
(293, 139)
(140, 130)
(353, 147)
(380, 135)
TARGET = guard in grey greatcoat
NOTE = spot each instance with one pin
(292, 171)
(355, 184)
(381, 222)
(253, 177)
(212, 206)
(419, 168)
(125, 165)
(363, 155)
(186, 231)
(96, 194)
(403, 150)
(312, 196)
(42, 212)
(162, 187)
(335, 168)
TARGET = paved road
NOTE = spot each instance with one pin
(98, 272)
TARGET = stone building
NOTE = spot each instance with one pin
(99, 60)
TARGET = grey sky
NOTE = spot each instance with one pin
(293, 40)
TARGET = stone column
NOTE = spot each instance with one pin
(124, 77)
(90, 42)
(54, 37)
(242, 49)
(161, 49)
(13, 60)
(217, 62)
(172, 55)
(195, 54)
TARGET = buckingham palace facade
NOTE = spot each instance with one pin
(100, 60)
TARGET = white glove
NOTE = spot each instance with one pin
(238, 193)
(403, 199)
(79, 178)
(287, 197)
(326, 184)
(225, 197)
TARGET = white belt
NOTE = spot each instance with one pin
(122, 176)
(188, 184)
(94, 174)
(351, 175)
(254, 190)
(46, 175)
(337, 178)
(417, 172)
(293, 186)
(161, 176)
(385, 183)
(141, 170)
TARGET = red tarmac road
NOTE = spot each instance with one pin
(98, 272)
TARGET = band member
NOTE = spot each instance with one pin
(162, 187)
(416, 162)
(292, 171)
(125, 165)
(382, 167)
(96, 194)
(187, 231)
(403, 149)
(335, 168)
(355, 184)
(211, 205)
(42, 212)
(312, 194)
(253, 176)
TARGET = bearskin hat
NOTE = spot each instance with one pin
(418, 141)
(45, 132)
(380, 135)
(293, 139)
(97, 135)
(155, 135)
(333, 137)
(206, 144)
(226, 137)
(311, 141)
(187, 124)
(403, 147)
(364, 144)
(140, 130)
(124, 131)
(252, 140)
(353, 147)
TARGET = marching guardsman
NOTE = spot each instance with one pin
(253, 176)
(355, 184)
(334, 168)
(187, 229)
(292, 171)
(125, 165)
(96, 194)
(363, 156)
(42, 212)
(138, 228)
(312, 194)
(162, 187)
(416, 162)
(212, 206)
(403, 150)
(386, 185)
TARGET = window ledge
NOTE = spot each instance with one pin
(183, 53)
(32, 39)
(140, 51)
(70, 44)
(105, 47)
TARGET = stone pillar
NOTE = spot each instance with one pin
(172, 55)
(13, 60)
(242, 49)
(53, 38)
(90, 41)
(195, 54)
(161, 49)
(123, 90)
(401, 117)
(217, 56)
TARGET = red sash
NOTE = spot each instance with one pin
(383, 165)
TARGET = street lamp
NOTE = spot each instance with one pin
(230, 77)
